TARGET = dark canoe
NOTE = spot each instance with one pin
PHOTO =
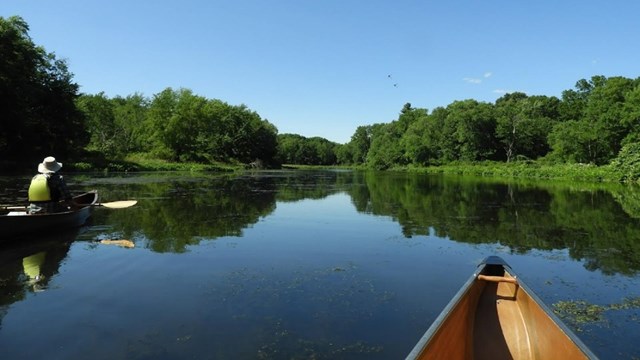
(496, 316)
(16, 223)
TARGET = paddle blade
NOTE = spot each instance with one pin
(119, 204)
(123, 243)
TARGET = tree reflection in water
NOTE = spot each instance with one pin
(590, 222)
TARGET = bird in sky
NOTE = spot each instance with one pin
(394, 84)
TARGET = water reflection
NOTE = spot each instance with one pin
(597, 225)
(313, 264)
(590, 223)
(32, 267)
(29, 266)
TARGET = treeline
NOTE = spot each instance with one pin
(176, 125)
(297, 149)
(596, 123)
(38, 114)
(42, 113)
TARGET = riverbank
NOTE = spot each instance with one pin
(520, 169)
(531, 170)
(136, 164)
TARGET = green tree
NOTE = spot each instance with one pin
(574, 101)
(324, 150)
(416, 145)
(37, 100)
(576, 142)
(387, 143)
(631, 111)
(287, 148)
(608, 117)
(240, 129)
(187, 127)
(413, 141)
(264, 142)
(606, 111)
(469, 131)
(129, 114)
(100, 122)
(386, 149)
(361, 143)
(161, 109)
(297, 149)
(344, 153)
(524, 123)
(433, 138)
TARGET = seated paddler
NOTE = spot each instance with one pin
(48, 192)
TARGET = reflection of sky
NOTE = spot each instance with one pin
(335, 204)
(336, 210)
(316, 270)
(329, 225)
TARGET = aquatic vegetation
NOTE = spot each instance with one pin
(578, 313)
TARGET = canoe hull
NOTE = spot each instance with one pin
(498, 320)
(19, 225)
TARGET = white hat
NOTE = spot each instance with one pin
(49, 165)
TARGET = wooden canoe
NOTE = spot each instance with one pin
(496, 316)
(16, 223)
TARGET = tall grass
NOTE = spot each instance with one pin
(531, 170)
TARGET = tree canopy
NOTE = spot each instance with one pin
(590, 125)
(37, 100)
(177, 125)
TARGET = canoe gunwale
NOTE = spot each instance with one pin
(442, 318)
(448, 309)
(490, 264)
(17, 227)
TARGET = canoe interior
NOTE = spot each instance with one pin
(498, 320)
(88, 198)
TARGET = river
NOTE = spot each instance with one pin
(309, 264)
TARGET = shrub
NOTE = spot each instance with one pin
(628, 162)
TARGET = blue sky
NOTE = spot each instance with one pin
(325, 67)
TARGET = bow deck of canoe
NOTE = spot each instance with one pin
(496, 316)
(15, 222)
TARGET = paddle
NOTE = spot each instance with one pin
(123, 204)
(123, 243)
(4, 207)
(118, 204)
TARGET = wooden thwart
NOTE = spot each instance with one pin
(497, 279)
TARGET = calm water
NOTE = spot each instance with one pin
(307, 265)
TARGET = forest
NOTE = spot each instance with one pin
(43, 113)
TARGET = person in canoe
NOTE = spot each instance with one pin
(48, 192)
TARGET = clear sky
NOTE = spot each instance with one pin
(325, 67)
